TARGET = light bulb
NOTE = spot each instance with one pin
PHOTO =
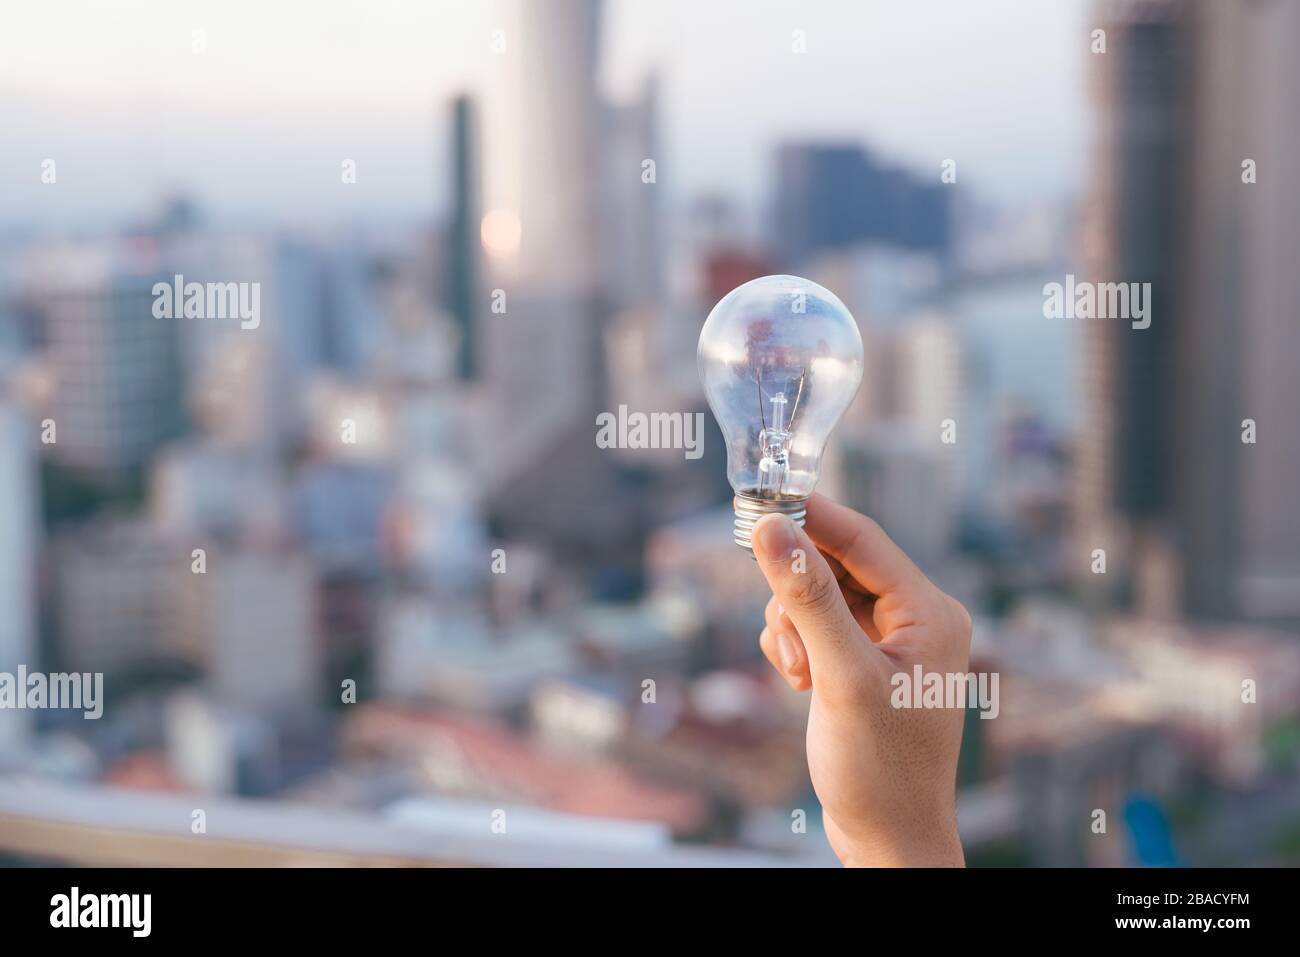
(780, 359)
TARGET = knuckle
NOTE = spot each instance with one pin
(947, 610)
(770, 614)
(814, 592)
(960, 616)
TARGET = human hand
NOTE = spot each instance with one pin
(850, 610)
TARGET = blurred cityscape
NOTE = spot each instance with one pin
(359, 578)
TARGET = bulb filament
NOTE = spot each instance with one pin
(774, 439)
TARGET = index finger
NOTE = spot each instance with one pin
(860, 545)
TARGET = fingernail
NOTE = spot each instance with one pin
(780, 609)
(785, 651)
(776, 538)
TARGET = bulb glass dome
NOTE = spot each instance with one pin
(780, 359)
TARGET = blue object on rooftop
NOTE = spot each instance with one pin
(1150, 839)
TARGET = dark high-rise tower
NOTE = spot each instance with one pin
(1194, 519)
(830, 196)
(463, 235)
(1139, 87)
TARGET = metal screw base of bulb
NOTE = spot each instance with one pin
(749, 510)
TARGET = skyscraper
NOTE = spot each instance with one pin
(542, 141)
(832, 196)
(1235, 502)
(1122, 476)
(464, 300)
(542, 337)
(1187, 94)
(631, 226)
(18, 549)
(116, 366)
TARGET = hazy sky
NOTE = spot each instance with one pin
(259, 122)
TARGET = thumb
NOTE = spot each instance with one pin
(804, 583)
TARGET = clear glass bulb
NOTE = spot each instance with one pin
(780, 359)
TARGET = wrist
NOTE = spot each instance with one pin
(940, 846)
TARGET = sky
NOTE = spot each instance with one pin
(256, 125)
